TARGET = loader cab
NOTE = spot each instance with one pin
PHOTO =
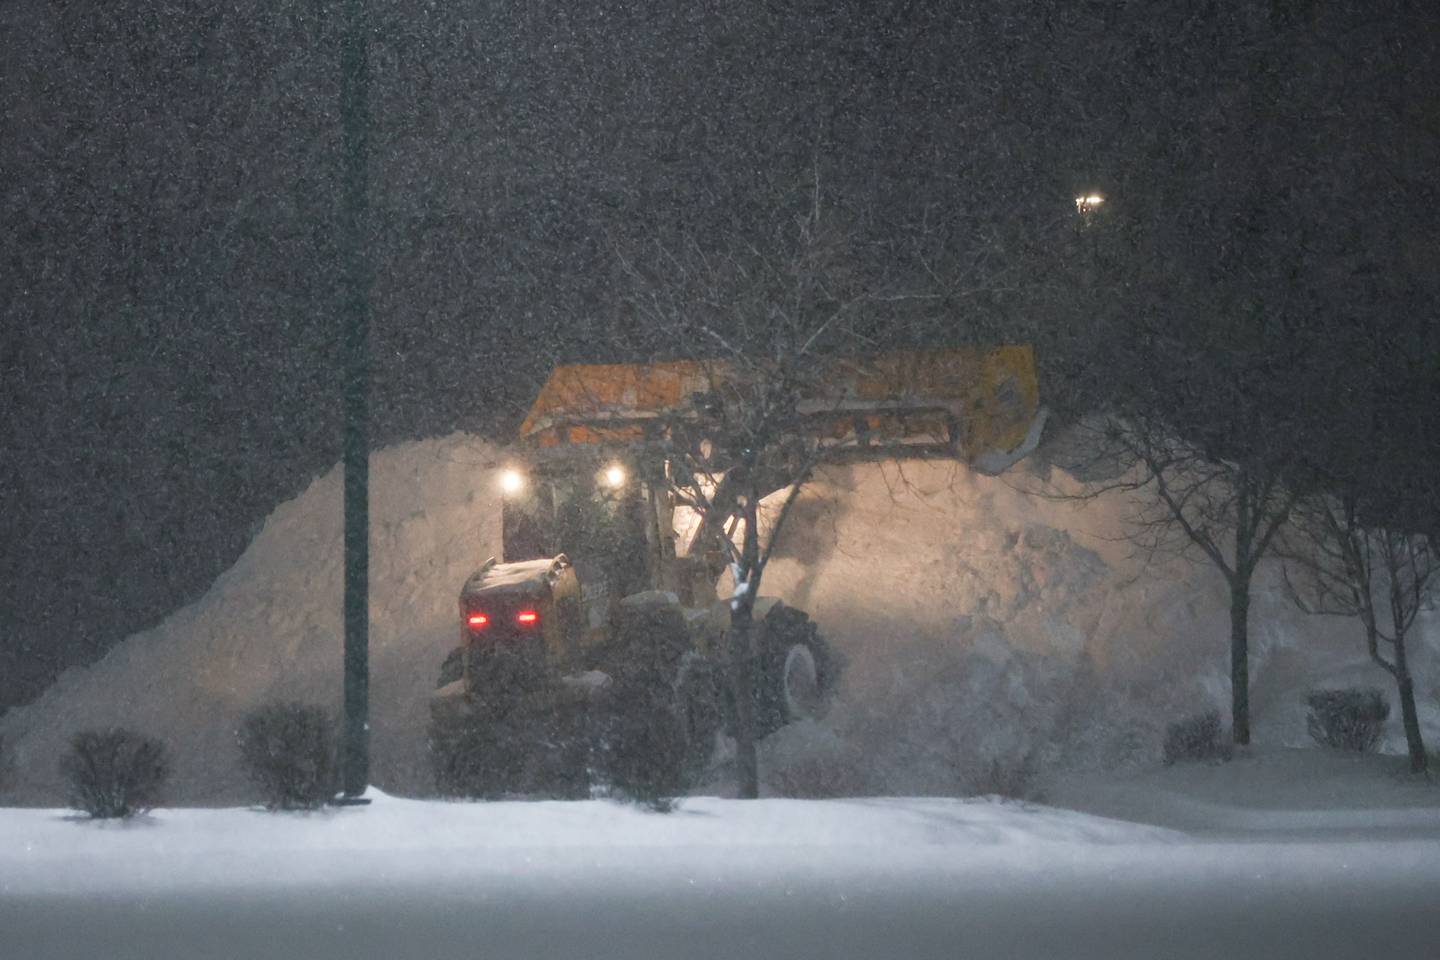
(595, 511)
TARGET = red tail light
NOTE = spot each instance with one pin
(477, 620)
(527, 617)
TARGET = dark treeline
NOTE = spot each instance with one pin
(168, 368)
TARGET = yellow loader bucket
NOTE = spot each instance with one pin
(982, 405)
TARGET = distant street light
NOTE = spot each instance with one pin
(1087, 203)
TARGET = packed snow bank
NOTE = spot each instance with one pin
(270, 628)
(982, 626)
(781, 878)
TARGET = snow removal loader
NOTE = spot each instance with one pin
(592, 655)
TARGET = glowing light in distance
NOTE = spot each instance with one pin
(615, 475)
(512, 481)
(527, 616)
(1088, 202)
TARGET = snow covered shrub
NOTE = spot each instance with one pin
(1013, 777)
(114, 773)
(537, 745)
(812, 760)
(642, 753)
(1196, 738)
(1351, 719)
(288, 751)
(556, 746)
(820, 777)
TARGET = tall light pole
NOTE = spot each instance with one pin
(355, 314)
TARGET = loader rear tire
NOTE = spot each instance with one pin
(796, 675)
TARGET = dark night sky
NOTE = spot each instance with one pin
(168, 354)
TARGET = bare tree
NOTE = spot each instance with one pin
(1205, 305)
(1223, 505)
(767, 312)
(750, 454)
(1381, 575)
(785, 321)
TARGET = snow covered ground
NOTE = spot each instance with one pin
(1322, 794)
(872, 878)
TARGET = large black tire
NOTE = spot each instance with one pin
(797, 671)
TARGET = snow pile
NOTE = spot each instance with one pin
(982, 626)
(986, 629)
(270, 628)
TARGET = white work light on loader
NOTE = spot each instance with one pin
(511, 482)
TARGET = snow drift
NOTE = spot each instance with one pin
(270, 628)
(989, 629)
(981, 626)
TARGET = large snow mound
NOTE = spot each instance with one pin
(979, 624)
(987, 629)
(270, 628)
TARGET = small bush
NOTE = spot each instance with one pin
(1199, 738)
(540, 744)
(114, 773)
(642, 752)
(1352, 719)
(288, 750)
(1010, 778)
(820, 777)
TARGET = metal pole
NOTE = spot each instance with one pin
(355, 127)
